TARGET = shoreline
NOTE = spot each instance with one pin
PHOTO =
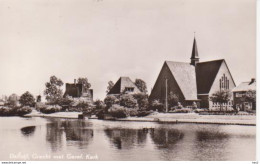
(245, 120)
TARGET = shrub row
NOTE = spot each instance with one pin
(47, 109)
(14, 111)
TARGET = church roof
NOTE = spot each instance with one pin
(206, 73)
(185, 76)
(245, 86)
(121, 84)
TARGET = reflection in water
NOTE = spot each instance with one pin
(209, 143)
(28, 130)
(112, 140)
(54, 135)
(209, 135)
(166, 138)
(73, 130)
(126, 138)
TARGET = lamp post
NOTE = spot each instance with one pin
(166, 95)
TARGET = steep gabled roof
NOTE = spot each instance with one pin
(121, 84)
(206, 73)
(245, 86)
(185, 76)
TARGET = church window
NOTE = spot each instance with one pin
(224, 82)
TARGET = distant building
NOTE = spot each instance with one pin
(76, 90)
(239, 92)
(192, 82)
(124, 85)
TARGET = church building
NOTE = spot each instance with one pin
(192, 82)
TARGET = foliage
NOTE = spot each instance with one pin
(65, 101)
(143, 113)
(27, 99)
(50, 109)
(40, 105)
(118, 111)
(14, 111)
(250, 96)
(157, 105)
(221, 97)
(184, 110)
(142, 100)
(6, 111)
(84, 82)
(141, 85)
(24, 110)
(173, 99)
(53, 90)
(133, 112)
(110, 86)
(39, 98)
(110, 100)
(128, 101)
(13, 100)
(83, 106)
(100, 114)
(99, 104)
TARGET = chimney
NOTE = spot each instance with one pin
(252, 81)
(75, 81)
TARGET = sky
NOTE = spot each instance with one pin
(105, 39)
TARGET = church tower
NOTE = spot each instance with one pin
(194, 55)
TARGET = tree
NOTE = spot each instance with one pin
(128, 101)
(141, 85)
(110, 100)
(250, 96)
(173, 99)
(39, 98)
(221, 97)
(99, 104)
(110, 86)
(157, 105)
(142, 100)
(53, 90)
(65, 101)
(13, 99)
(84, 82)
(27, 99)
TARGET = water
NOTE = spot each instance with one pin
(70, 139)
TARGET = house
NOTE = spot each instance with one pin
(76, 91)
(239, 94)
(124, 85)
(192, 82)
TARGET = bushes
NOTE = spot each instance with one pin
(128, 101)
(50, 109)
(118, 111)
(143, 113)
(14, 111)
(133, 112)
(6, 111)
(184, 110)
(110, 100)
(157, 105)
(24, 110)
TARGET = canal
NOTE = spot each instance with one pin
(70, 139)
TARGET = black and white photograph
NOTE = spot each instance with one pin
(128, 80)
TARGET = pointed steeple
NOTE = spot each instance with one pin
(194, 55)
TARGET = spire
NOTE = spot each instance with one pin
(194, 55)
